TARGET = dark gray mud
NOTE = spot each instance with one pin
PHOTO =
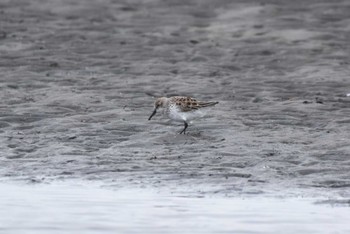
(78, 80)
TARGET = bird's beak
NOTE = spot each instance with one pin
(154, 112)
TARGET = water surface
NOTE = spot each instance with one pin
(90, 208)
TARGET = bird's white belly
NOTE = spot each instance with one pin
(177, 115)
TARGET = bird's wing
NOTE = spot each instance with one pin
(186, 104)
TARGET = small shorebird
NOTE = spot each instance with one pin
(181, 109)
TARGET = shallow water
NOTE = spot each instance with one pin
(90, 208)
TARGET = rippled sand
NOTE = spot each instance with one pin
(78, 80)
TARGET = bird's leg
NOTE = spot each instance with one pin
(184, 130)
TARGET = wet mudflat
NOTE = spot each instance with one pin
(78, 81)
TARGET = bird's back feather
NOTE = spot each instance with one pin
(186, 104)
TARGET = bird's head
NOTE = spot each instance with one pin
(159, 103)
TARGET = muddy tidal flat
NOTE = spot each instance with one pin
(78, 81)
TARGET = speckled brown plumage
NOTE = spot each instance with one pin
(189, 104)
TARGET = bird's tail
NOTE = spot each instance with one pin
(206, 104)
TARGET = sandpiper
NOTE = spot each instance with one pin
(181, 109)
